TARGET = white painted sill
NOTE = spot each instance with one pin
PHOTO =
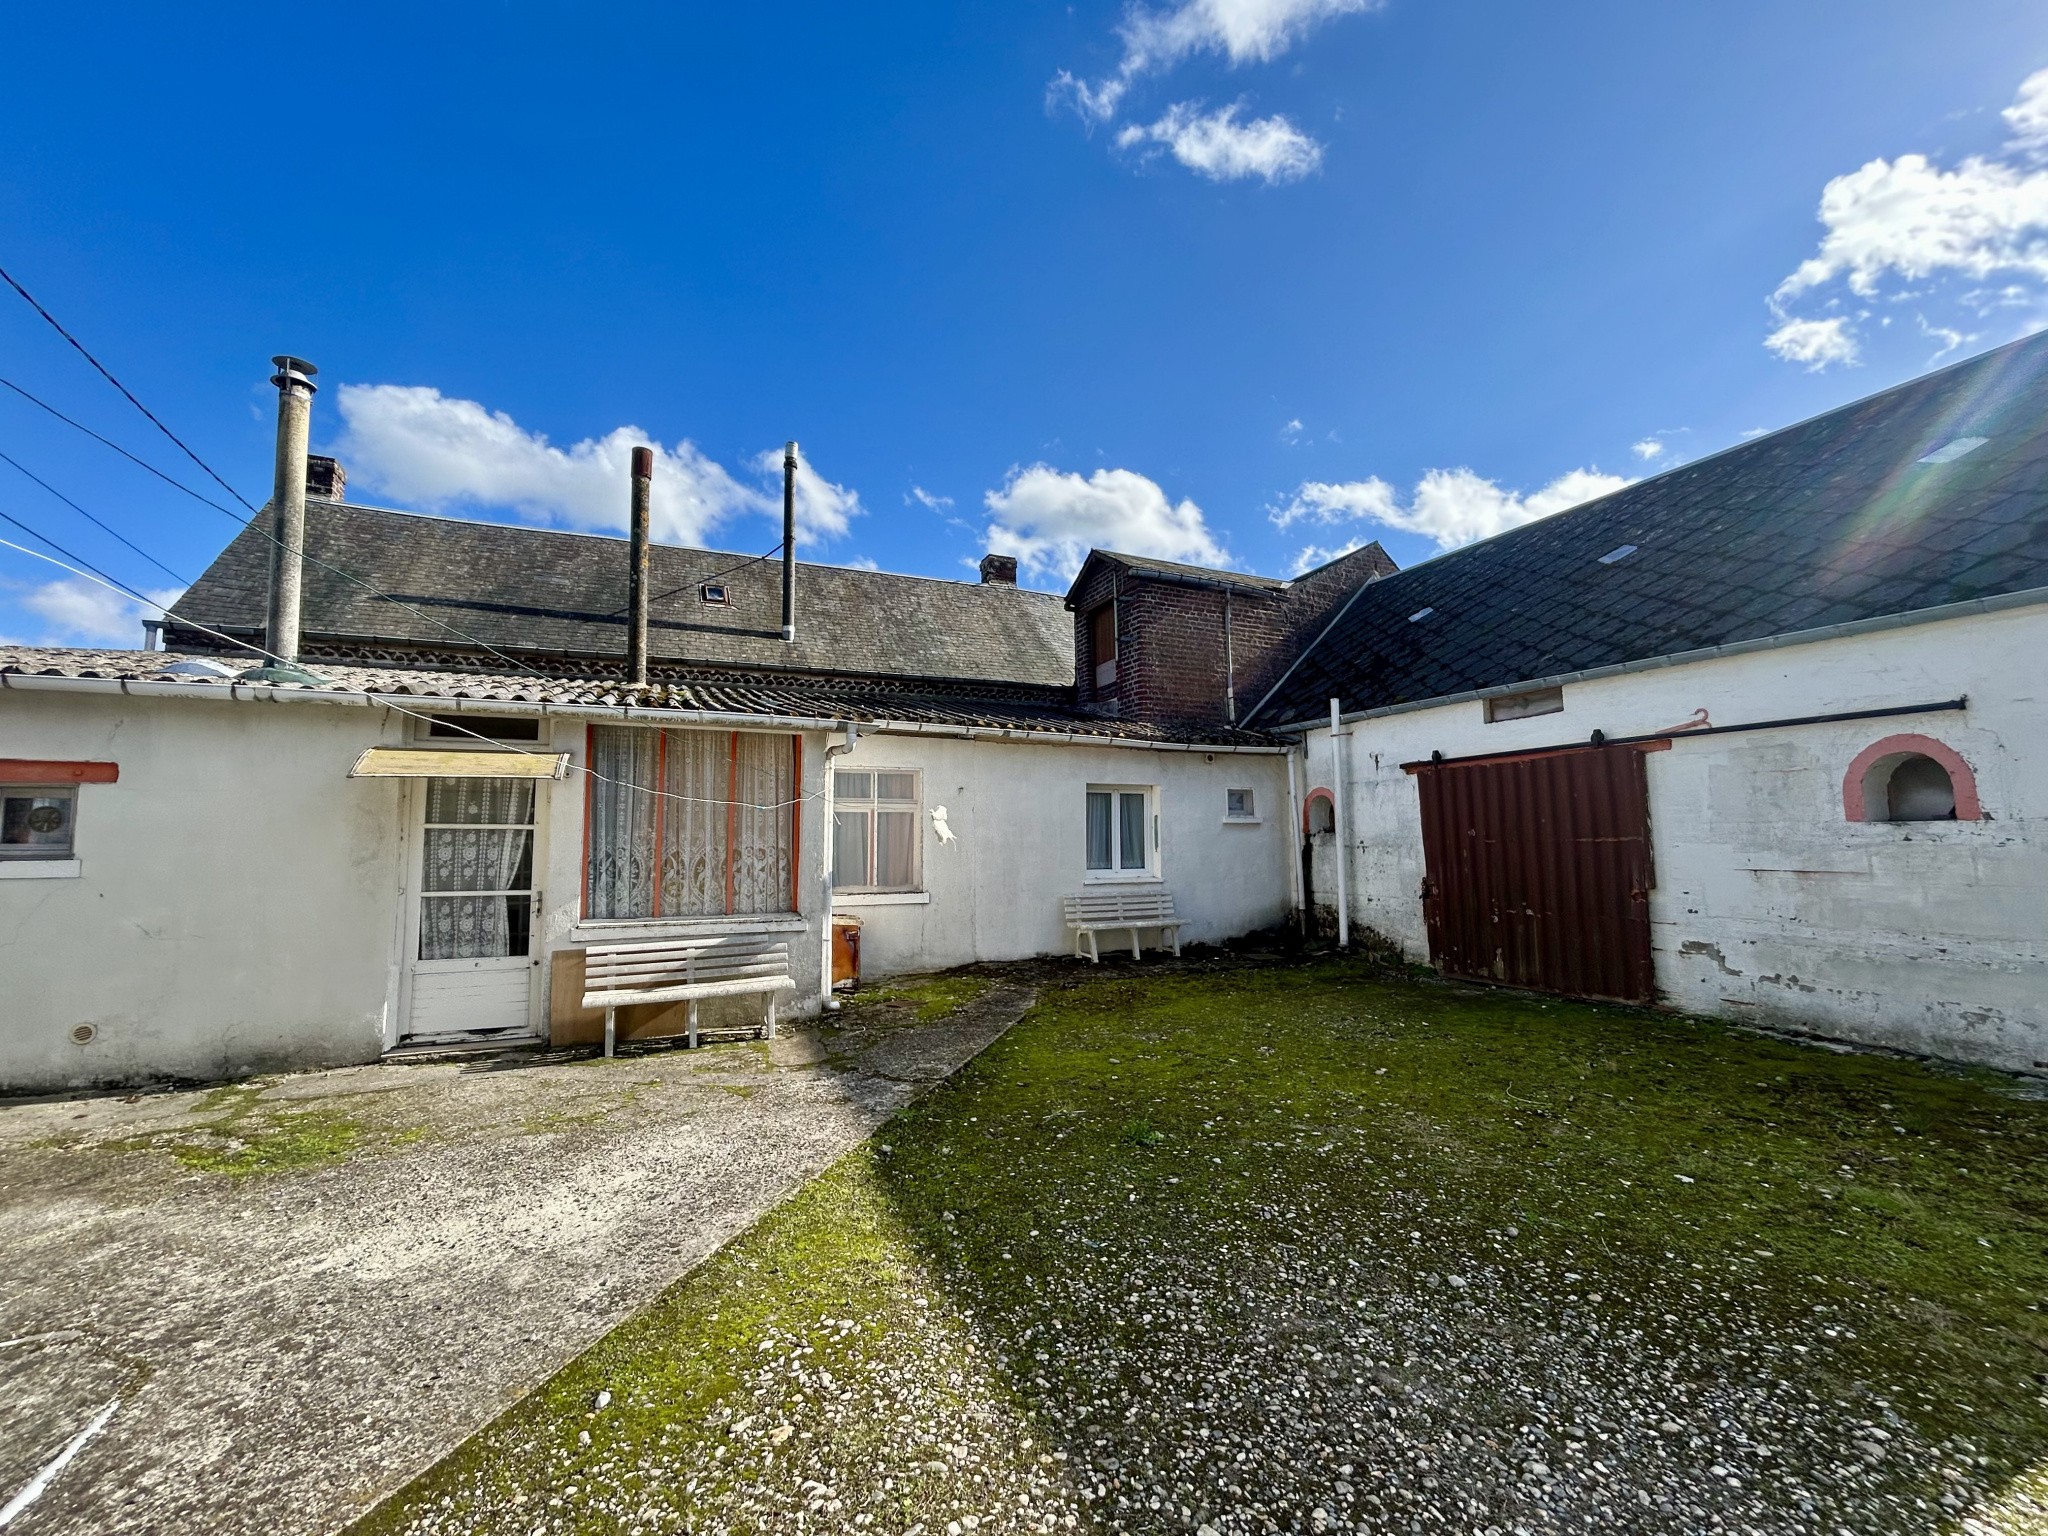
(1243, 821)
(616, 930)
(1120, 877)
(41, 869)
(880, 899)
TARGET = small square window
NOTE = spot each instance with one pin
(1237, 805)
(36, 821)
(1523, 706)
(714, 592)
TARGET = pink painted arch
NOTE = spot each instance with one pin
(1886, 754)
(1308, 806)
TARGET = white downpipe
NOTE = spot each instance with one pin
(827, 1003)
(1295, 893)
(1337, 793)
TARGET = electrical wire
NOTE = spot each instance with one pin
(140, 463)
(103, 528)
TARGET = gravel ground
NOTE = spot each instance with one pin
(1298, 1252)
(300, 1291)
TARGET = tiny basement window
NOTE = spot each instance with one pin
(36, 821)
(1524, 706)
(874, 829)
(1123, 831)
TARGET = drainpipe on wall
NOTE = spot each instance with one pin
(1229, 665)
(1343, 828)
(1294, 838)
(637, 595)
(826, 1001)
(294, 381)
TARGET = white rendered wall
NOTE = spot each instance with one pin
(239, 897)
(1769, 905)
(1018, 811)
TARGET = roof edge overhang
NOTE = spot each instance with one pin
(424, 705)
(2029, 597)
(482, 653)
(1222, 581)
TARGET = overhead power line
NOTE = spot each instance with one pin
(109, 532)
(139, 462)
(103, 372)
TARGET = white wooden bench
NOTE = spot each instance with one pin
(684, 971)
(1090, 914)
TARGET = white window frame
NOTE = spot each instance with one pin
(872, 805)
(1117, 875)
(31, 861)
(1250, 818)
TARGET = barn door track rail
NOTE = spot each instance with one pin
(1658, 741)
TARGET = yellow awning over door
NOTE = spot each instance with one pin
(447, 763)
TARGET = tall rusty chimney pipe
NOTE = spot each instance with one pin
(636, 580)
(294, 381)
(789, 543)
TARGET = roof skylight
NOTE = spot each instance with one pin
(1954, 449)
(1419, 615)
(1618, 553)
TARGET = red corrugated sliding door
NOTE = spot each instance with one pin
(1539, 871)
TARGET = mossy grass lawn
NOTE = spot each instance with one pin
(1320, 1247)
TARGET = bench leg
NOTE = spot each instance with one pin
(1134, 945)
(771, 1015)
(611, 1030)
(1175, 931)
(1094, 948)
(693, 1023)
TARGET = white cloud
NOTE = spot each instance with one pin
(1290, 434)
(1907, 221)
(1049, 519)
(861, 563)
(927, 499)
(1450, 506)
(1218, 146)
(2027, 117)
(431, 450)
(1649, 448)
(1243, 31)
(81, 612)
(1815, 343)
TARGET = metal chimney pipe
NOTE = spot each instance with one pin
(789, 542)
(636, 581)
(294, 381)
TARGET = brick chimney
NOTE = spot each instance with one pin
(999, 570)
(326, 480)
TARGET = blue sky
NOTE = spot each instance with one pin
(1244, 280)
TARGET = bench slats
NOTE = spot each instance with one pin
(685, 970)
(1095, 911)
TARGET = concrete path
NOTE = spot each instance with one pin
(296, 1294)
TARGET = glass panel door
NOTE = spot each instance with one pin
(476, 870)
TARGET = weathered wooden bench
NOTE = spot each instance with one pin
(684, 971)
(1096, 911)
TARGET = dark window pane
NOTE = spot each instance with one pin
(1131, 838)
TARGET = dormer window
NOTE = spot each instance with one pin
(714, 593)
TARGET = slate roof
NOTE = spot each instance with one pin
(778, 696)
(1835, 520)
(543, 592)
(1173, 570)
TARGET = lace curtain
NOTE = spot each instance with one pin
(477, 869)
(720, 837)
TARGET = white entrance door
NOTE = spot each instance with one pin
(471, 949)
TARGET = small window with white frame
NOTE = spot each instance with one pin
(875, 845)
(36, 821)
(1123, 832)
(1239, 805)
